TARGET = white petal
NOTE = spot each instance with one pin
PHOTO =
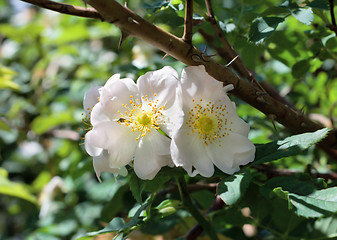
(91, 150)
(162, 82)
(115, 94)
(98, 115)
(90, 99)
(101, 164)
(235, 150)
(148, 160)
(197, 83)
(118, 139)
(188, 151)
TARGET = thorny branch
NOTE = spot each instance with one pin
(187, 37)
(128, 21)
(66, 9)
(229, 52)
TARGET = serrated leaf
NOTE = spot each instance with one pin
(262, 28)
(317, 204)
(137, 187)
(303, 140)
(304, 15)
(232, 188)
(290, 146)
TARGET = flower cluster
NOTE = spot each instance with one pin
(165, 121)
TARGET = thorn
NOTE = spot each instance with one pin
(205, 50)
(126, 4)
(272, 118)
(228, 64)
(123, 37)
(196, 58)
(166, 55)
(206, 57)
(301, 111)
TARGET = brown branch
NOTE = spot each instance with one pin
(133, 24)
(243, 71)
(66, 9)
(229, 52)
(187, 37)
(274, 172)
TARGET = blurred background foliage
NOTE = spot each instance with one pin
(48, 189)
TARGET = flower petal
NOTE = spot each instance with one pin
(197, 83)
(101, 164)
(118, 139)
(189, 151)
(162, 82)
(147, 163)
(90, 99)
(235, 150)
(91, 150)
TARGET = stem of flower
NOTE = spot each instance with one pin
(187, 203)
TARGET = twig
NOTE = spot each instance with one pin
(274, 172)
(187, 203)
(229, 54)
(187, 37)
(332, 14)
(66, 9)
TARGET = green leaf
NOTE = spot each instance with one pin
(15, 189)
(290, 146)
(300, 68)
(304, 15)
(304, 140)
(6, 79)
(137, 187)
(305, 195)
(232, 188)
(319, 4)
(317, 204)
(42, 124)
(4, 126)
(117, 225)
(262, 28)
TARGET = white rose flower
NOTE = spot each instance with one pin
(100, 156)
(127, 119)
(208, 131)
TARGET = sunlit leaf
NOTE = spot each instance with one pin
(233, 187)
(262, 28)
(44, 123)
(16, 189)
(290, 146)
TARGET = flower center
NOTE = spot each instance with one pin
(206, 124)
(142, 117)
(209, 121)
